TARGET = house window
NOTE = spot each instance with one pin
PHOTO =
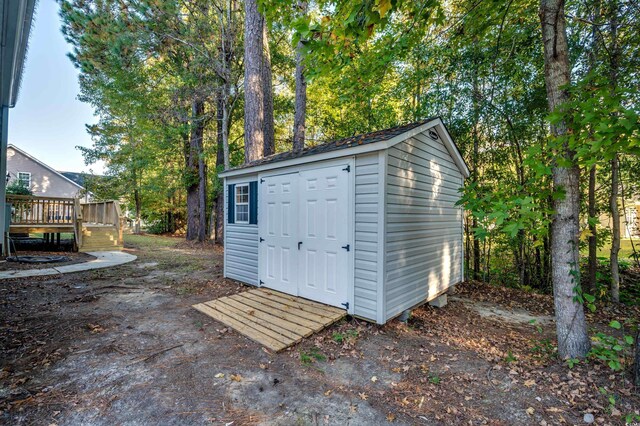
(242, 203)
(24, 178)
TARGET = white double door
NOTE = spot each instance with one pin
(305, 244)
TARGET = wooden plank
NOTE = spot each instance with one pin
(240, 327)
(317, 308)
(301, 312)
(275, 331)
(239, 301)
(250, 322)
(282, 311)
(307, 309)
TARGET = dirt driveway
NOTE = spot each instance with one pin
(124, 346)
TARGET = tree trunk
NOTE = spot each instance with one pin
(218, 223)
(615, 231)
(475, 98)
(267, 84)
(593, 237)
(196, 187)
(299, 121)
(593, 242)
(614, 65)
(571, 325)
(636, 367)
(254, 116)
(136, 196)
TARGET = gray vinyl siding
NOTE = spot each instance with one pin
(367, 208)
(423, 227)
(241, 244)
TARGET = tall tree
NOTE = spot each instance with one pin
(196, 175)
(267, 84)
(300, 111)
(614, 68)
(571, 326)
(254, 113)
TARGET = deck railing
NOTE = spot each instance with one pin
(43, 211)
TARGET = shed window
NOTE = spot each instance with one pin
(242, 203)
(24, 178)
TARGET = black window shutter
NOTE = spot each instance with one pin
(253, 203)
(231, 203)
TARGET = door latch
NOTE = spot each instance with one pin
(299, 244)
(347, 247)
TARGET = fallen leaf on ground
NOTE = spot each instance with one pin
(236, 377)
(363, 396)
(219, 376)
(530, 411)
(374, 379)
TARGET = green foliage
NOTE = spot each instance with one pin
(434, 379)
(510, 358)
(612, 350)
(572, 362)
(347, 337)
(312, 356)
(18, 187)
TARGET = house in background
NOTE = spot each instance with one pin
(629, 218)
(41, 179)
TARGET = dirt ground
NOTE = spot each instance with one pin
(124, 346)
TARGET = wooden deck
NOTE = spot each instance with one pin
(95, 225)
(273, 319)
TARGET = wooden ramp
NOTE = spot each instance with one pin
(273, 319)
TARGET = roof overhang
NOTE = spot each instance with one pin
(17, 16)
(362, 149)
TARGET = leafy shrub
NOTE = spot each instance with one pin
(611, 350)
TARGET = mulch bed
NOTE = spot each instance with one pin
(75, 258)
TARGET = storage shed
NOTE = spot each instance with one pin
(368, 223)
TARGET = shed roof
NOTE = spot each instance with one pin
(366, 141)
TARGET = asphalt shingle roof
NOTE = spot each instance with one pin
(363, 139)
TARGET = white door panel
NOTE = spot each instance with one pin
(278, 228)
(323, 273)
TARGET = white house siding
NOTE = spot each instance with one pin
(241, 244)
(44, 181)
(423, 226)
(367, 208)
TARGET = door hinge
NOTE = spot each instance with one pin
(346, 305)
(261, 239)
(347, 247)
(261, 180)
(261, 283)
(348, 168)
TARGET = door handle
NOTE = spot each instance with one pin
(299, 244)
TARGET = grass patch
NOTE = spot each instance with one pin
(148, 241)
(626, 250)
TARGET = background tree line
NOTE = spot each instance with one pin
(541, 97)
